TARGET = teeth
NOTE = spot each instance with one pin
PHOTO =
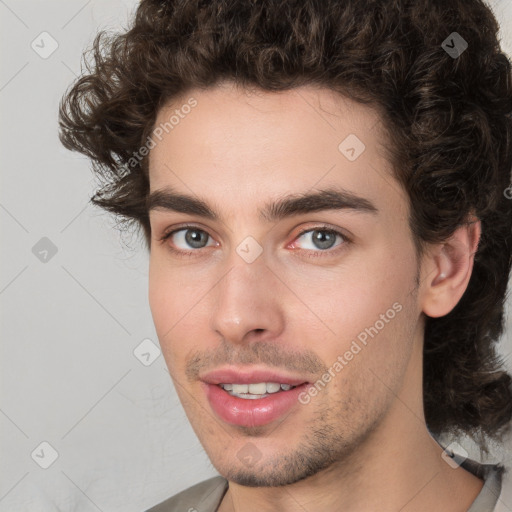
(256, 390)
(273, 387)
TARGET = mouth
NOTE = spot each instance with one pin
(251, 398)
(255, 391)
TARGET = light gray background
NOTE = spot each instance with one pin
(70, 325)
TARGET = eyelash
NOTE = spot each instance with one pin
(312, 254)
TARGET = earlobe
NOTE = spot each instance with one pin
(451, 265)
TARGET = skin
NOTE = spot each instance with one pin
(360, 444)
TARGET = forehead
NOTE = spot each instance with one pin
(246, 144)
(227, 115)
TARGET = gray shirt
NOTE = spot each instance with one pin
(206, 496)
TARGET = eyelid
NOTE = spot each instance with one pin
(327, 229)
(168, 232)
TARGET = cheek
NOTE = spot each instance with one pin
(177, 306)
(354, 297)
(367, 368)
(166, 300)
(370, 311)
(170, 293)
(158, 295)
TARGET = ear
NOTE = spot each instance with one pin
(448, 266)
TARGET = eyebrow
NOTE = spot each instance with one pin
(290, 205)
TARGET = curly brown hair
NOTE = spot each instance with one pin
(448, 118)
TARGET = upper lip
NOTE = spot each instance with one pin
(238, 376)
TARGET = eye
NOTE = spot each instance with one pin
(187, 237)
(188, 240)
(321, 239)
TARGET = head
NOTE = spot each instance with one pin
(222, 116)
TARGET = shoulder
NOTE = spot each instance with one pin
(202, 497)
(505, 498)
(496, 478)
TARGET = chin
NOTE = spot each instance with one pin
(277, 471)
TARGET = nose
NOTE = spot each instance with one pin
(246, 302)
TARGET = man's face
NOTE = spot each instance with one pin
(245, 293)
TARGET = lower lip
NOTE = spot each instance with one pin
(251, 412)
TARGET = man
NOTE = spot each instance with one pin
(322, 189)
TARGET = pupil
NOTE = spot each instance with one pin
(324, 239)
(194, 237)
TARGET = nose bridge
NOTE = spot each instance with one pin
(245, 299)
